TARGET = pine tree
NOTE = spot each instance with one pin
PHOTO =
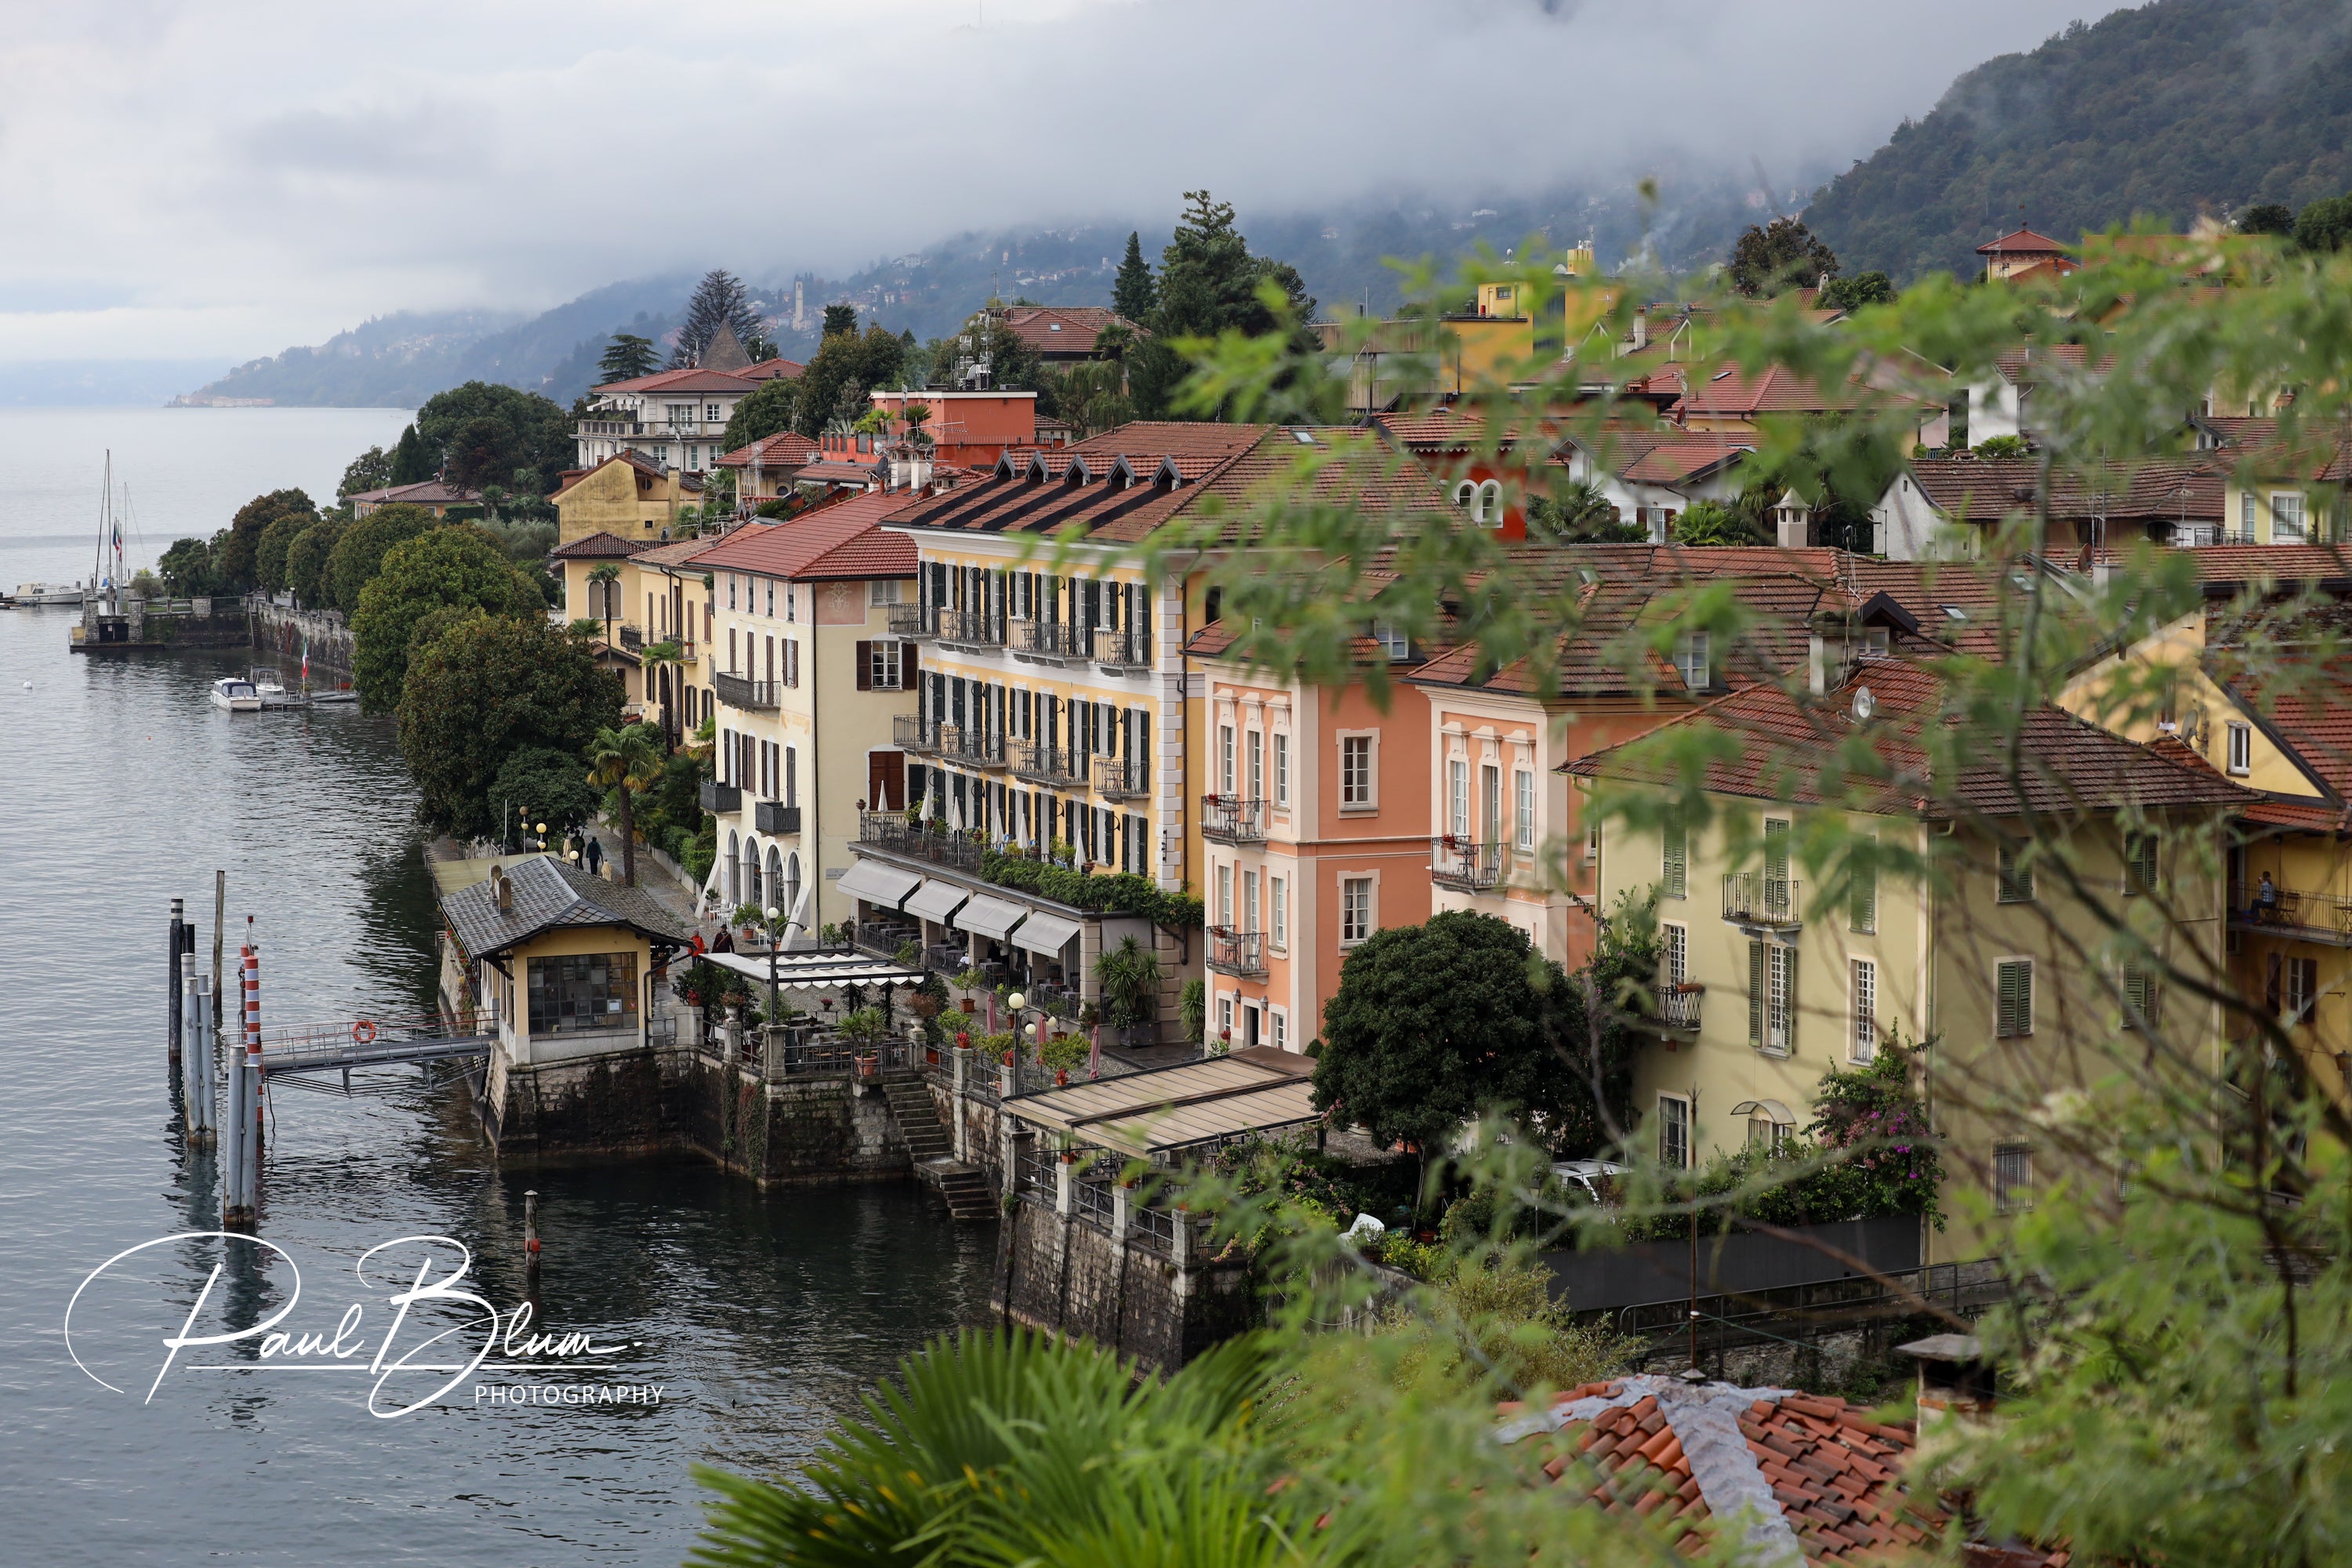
(411, 463)
(720, 297)
(627, 357)
(1133, 294)
(839, 319)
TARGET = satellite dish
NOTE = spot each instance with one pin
(1864, 704)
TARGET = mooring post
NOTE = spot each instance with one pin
(176, 1021)
(234, 1215)
(530, 1233)
(220, 920)
(242, 1211)
(198, 1046)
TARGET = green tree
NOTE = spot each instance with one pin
(269, 551)
(838, 320)
(846, 368)
(540, 784)
(1853, 293)
(236, 553)
(1133, 292)
(768, 411)
(482, 690)
(359, 550)
(459, 567)
(1710, 522)
(2324, 225)
(1781, 255)
(719, 299)
(187, 568)
(482, 433)
(1434, 1024)
(1209, 281)
(371, 470)
(1580, 514)
(600, 578)
(2267, 218)
(625, 358)
(306, 559)
(627, 762)
(413, 462)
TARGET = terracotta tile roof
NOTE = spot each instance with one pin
(1065, 329)
(2153, 489)
(428, 492)
(680, 381)
(835, 471)
(1112, 486)
(2267, 567)
(2310, 815)
(1728, 392)
(777, 369)
(2070, 766)
(677, 552)
(2309, 708)
(2022, 242)
(1657, 457)
(844, 539)
(785, 449)
(602, 545)
(646, 467)
(1442, 428)
(2023, 362)
(2234, 430)
(1817, 1474)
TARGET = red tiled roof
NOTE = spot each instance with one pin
(844, 539)
(777, 369)
(2021, 363)
(429, 492)
(2309, 707)
(1442, 428)
(673, 552)
(602, 545)
(687, 380)
(785, 449)
(833, 470)
(1730, 392)
(2022, 242)
(1816, 1474)
(1065, 329)
(2154, 489)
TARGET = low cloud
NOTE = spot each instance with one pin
(228, 179)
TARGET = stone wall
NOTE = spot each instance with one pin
(285, 631)
(1068, 1275)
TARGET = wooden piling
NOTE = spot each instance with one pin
(176, 1013)
(530, 1233)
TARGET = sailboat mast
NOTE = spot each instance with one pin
(105, 499)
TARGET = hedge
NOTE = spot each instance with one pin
(1108, 892)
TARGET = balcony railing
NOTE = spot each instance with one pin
(915, 621)
(1230, 819)
(1122, 649)
(775, 816)
(972, 747)
(1756, 898)
(970, 628)
(1041, 763)
(913, 733)
(721, 799)
(890, 831)
(1122, 778)
(1678, 1006)
(631, 637)
(738, 691)
(2307, 917)
(1240, 954)
(1464, 864)
(1048, 640)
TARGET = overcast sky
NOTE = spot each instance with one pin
(228, 178)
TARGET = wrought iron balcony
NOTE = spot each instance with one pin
(1230, 819)
(890, 831)
(1122, 778)
(972, 747)
(721, 799)
(775, 816)
(738, 691)
(631, 637)
(913, 733)
(1678, 1006)
(1757, 899)
(1051, 765)
(1465, 865)
(1240, 953)
(1122, 651)
(1051, 641)
(970, 628)
(2291, 912)
(915, 621)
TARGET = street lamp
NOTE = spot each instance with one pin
(772, 914)
(1017, 1002)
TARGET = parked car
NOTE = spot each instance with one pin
(1586, 1175)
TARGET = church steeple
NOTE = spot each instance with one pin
(726, 352)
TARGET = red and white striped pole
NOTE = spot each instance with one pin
(249, 1200)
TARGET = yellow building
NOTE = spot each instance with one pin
(2275, 496)
(1784, 957)
(1508, 336)
(810, 679)
(628, 496)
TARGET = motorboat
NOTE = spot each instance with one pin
(48, 593)
(236, 694)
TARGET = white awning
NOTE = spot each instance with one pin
(1046, 934)
(801, 970)
(878, 882)
(989, 917)
(936, 901)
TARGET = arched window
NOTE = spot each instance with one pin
(1465, 494)
(776, 878)
(750, 873)
(1489, 510)
(734, 870)
(791, 884)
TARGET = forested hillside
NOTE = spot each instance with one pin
(2178, 109)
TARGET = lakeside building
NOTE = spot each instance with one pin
(811, 682)
(627, 495)
(675, 418)
(434, 495)
(606, 601)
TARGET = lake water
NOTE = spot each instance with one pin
(761, 1316)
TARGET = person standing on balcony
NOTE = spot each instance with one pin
(2265, 899)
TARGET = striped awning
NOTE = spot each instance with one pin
(936, 901)
(878, 882)
(1045, 934)
(992, 918)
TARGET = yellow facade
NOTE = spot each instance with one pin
(622, 498)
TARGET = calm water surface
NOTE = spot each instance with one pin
(761, 1316)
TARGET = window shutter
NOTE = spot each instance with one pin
(1758, 985)
(866, 667)
(2271, 984)
(1788, 999)
(793, 661)
(2141, 868)
(1678, 861)
(1862, 894)
(2013, 1010)
(907, 666)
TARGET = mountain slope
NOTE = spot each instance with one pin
(2180, 108)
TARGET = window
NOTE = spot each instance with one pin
(1673, 1132)
(584, 991)
(1773, 997)
(2242, 748)
(1776, 855)
(1282, 770)
(1224, 759)
(2246, 516)
(2014, 874)
(1278, 900)
(2140, 863)
(1226, 897)
(1864, 1043)
(884, 662)
(792, 883)
(1489, 507)
(2139, 989)
(791, 604)
(1225, 1015)
(1355, 910)
(1861, 885)
(1676, 940)
(1394, 644)
(1250, 911)
(1765, 1134)
(1256, 766)
(1278, 1035)
(731, 593)
(1490, 805)
(883, 591)
(1355, 770)
(2013, 998)
(1457, 798)
(2302, 976)
(1690, 658)
(2012, 1178)
(771, 599)
(2286, 517)
(1524, 835)
(1465, 494)
(1675, 871)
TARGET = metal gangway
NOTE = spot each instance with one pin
(341, 1045)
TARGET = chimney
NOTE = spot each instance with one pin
(1956, 1383)
(1641, 328)
(1794, 520)
(1817, 664)
(502, 889)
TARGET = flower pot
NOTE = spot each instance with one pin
(968, 1005)
(1061, 1075)
(868, 1066)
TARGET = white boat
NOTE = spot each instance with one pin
(236, 694)
(48, 593)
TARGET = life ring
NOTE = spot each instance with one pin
(363, 1032)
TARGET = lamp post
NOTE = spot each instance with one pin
(1017, 1002)
(772, 914)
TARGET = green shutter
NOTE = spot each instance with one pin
(2014, 1010)
(1776, 849)
(1678, 861)
(1756, 984)
(1861, 886)
(2140, 864)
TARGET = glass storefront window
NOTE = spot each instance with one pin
(584, 991)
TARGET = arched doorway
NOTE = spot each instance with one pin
(792, 883)
(734, 870)
(750, 873)
(775, 882)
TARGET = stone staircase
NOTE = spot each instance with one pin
(965, 1187)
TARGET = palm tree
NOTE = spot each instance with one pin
(605, 577)
(658, 657)
(628, 759)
